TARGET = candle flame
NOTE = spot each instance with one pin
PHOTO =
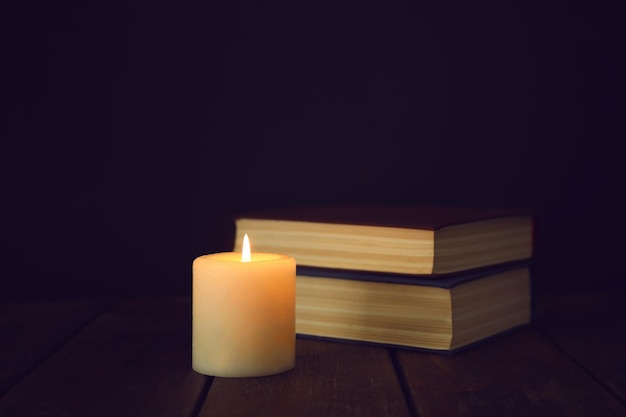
(245, 252)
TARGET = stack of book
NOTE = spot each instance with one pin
(440, 279)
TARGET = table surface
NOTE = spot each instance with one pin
(132, 357)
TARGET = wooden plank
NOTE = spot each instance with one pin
(330, 379)
(521, 374)
(592, 330)
(30, 332)
(134, 360)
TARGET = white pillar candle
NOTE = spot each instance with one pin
(243, 314)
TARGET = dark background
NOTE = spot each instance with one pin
(133, 131)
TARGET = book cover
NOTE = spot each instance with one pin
(385, 215)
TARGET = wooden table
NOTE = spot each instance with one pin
(132, 358)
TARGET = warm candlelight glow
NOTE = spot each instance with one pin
(245, 251)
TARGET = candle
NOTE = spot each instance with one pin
(243, 308)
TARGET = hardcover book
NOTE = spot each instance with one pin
(444, 314)
(413, 240)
